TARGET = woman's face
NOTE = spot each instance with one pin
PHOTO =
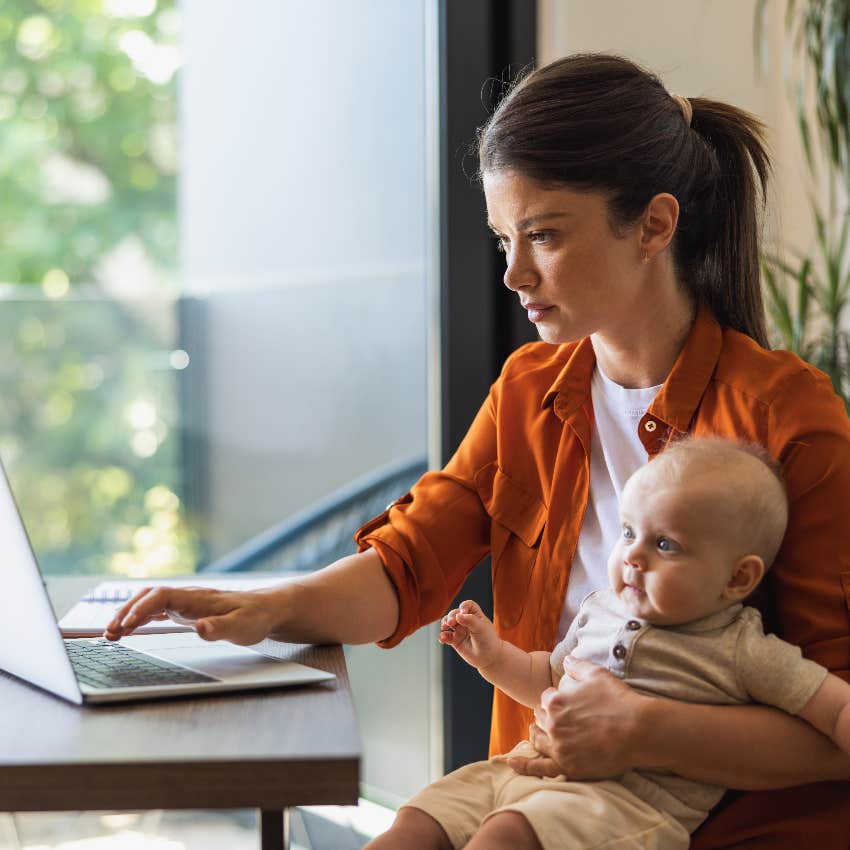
(572, 274)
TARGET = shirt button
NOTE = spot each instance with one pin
(619, 651)
(633, 625)
(650, 425)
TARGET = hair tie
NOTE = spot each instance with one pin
(685, 105)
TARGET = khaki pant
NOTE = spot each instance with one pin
(564, 815)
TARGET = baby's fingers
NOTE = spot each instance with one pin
(454, 637)
(450, 620)
(473, 618)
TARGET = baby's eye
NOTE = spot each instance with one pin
(665, 544)
(628, 534)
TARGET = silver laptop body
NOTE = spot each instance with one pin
(32, 648)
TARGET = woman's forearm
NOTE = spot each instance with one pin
(749, 747)
(351, 601)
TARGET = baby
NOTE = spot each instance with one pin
(701, 522)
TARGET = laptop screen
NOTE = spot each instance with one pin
(31, 646)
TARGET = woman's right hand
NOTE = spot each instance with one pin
(241, 617)
(468, 629)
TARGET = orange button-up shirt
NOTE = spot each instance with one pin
(517, 489)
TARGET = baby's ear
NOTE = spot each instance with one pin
(745, 577)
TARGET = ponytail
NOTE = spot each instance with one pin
(601, 123)
(725, 260)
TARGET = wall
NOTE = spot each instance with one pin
(700, 48)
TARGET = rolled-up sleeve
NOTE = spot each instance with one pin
(431, 538)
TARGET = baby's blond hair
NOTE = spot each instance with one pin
(756, 497)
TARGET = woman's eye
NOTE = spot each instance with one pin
(500, 244)
(538, 236)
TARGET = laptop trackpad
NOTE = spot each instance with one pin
(221, 659)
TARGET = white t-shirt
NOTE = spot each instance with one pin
(615, 453)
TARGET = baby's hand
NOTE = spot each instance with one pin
(468, 629)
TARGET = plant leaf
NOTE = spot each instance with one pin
(779, 308)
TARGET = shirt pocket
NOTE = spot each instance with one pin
(518, 519)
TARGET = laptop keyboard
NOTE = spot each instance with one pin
(105, 664)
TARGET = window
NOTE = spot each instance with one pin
(214, 286)
(88, 262)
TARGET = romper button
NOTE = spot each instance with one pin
(650, 425)
(633, 625)
(582, 621)
(619, 651)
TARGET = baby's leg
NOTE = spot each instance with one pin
(505, 831)
(412, 828)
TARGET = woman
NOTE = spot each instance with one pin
(629, 220)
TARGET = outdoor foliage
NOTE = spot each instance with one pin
(88, 434)
(88, 160)
(88, 153)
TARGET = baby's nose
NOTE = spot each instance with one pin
(635, 558)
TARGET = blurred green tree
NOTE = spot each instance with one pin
(88, 163)
(88, 157)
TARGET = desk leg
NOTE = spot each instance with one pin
(274, 829)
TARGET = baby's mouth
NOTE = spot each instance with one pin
(631, 588)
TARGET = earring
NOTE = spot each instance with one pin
(645, 255)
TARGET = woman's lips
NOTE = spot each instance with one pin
(537, 311)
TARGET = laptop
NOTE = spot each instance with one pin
(142, 667)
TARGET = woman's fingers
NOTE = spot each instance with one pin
(237, 626)
(540, 766)
(124, 610)
(155, 603)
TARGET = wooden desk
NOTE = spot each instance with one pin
(266, 750)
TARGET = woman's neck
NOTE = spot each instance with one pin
(643, 353)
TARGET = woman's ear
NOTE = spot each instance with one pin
(659, 223)
(746, 575)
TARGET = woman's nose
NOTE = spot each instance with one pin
(519, 271)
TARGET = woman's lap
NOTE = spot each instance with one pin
(602, 815)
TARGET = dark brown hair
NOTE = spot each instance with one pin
(602, 123)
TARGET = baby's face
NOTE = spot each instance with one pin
(672, 562)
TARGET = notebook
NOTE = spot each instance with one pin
(33, 649)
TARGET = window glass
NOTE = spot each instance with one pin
(88, 262)
(213, 271)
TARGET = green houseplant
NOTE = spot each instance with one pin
(822, 281)
(808, 294)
